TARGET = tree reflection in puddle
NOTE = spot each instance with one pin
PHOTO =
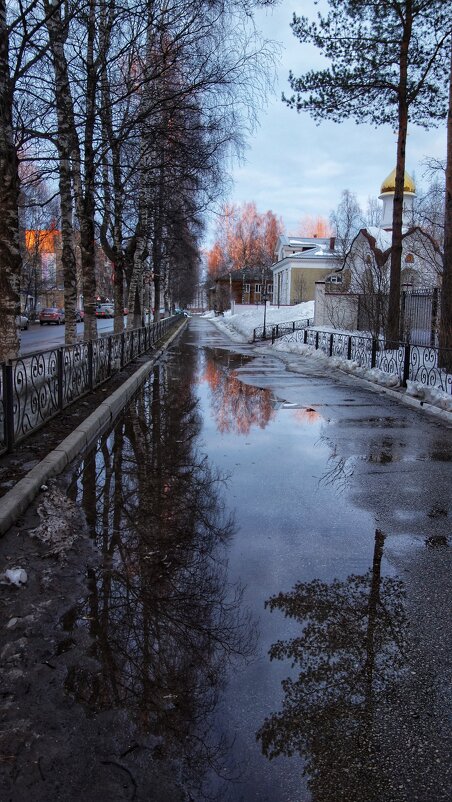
(237, 406)
(350, 655)
(164, 622)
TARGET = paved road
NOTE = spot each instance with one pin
(40, 338)
(241, 511)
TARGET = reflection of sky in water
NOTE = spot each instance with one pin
(309, 494)
(306, 499)
(291, 526)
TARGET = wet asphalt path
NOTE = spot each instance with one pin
(342, 486)
(267, 613)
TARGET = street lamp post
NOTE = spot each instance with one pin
(264, 298)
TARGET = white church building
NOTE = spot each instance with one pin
(366, 268)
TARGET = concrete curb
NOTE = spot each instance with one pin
(16, 501)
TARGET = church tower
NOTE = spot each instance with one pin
(387, 193)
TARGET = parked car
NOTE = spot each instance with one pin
(105, 311)
(52, 314)
(79, 315)
(22, 322)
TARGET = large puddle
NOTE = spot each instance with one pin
(248, 612)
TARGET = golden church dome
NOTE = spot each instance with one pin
(388, 184)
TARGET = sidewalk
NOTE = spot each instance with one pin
(14, 502)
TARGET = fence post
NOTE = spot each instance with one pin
(90, 365)
(122, 349)
(373, 358)
(305, 336)
(60, 375)
(316, 340)
(8, 406)
(402, 331)
(406, 364)
(331, 344)
(434, 317)
(349, 347)
(109, 353)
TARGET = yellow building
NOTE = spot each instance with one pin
(300, 263)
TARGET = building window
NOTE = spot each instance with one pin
(257, 289)
(336, 279)
(246, 288)
(270, 290)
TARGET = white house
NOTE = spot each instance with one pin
(300, 262)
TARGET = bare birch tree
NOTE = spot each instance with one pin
(22, 46)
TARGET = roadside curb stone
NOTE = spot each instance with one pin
(16, 500)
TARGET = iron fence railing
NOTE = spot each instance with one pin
(36, 387)
(273, 332)
(427, 365)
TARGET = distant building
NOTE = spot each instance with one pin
(42, 283)
(300, 263)
(245, 286)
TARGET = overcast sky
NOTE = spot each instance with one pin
(295, 167)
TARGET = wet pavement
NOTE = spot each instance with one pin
(257, 605)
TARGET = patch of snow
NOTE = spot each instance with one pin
(247, 318)
(17, 576)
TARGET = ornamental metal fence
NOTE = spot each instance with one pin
(274, 332)
(36, 387)
(427, 365)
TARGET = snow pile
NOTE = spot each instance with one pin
(371, 374)
(430, 395)
(247, 318)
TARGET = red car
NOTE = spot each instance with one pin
(51, 315)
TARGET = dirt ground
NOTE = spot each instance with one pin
(52, 749)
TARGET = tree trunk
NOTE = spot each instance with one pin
(68, 254)
(113, 190)
(10, 256)
(393, 323)
(57, 28)
(118, 294)
(86, 204)
(134, 295)
(445, 332)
